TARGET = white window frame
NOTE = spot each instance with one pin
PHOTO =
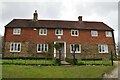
(44, 31)
(77, 50)
(16, 31)
(15, 48)
(103, 47)
(74, 31)
(108, 33)
(42, 45)
(60, 31)
(94, 33)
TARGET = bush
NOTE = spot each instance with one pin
(31, 58)
(57, 62)
(115, 58)
(71, 61)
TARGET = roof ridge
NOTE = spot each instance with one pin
(62, 20)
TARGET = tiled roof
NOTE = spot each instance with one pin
(58, 24)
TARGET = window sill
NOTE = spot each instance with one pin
(103, 52)
(94, 36)
(16, 51)
(58, 34)
(16, 34)
(41, 52)
(74, 35)
(42, 34)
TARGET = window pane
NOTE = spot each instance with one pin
(76, 33)
(45, 47)
(18, 47)
(57, 31)
(72, 32)
(38, 47)
(11, 47)
(15, 46)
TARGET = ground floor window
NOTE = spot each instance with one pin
(103, 48)
(15, 47)
(42, 47)
(77, 49)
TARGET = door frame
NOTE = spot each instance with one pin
(64, 48)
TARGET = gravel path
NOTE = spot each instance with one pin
(115, 72)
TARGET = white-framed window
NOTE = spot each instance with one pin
(103, 48)
(108, 33)
(42, 47)
(74, 32)
(94, 33)
(16, 31)
(77, 50)
(42, 31)
(15, 47)
(58, 31)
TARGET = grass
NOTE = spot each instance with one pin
(20, 71)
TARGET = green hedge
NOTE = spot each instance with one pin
(34, 58)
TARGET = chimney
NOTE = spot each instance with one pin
(80, 18)
(35, 16)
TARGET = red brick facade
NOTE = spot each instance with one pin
(29, 34)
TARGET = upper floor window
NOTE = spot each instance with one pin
(77, 49)
(42, 47)
(16, 31)
(103, 48)
(108, 34)
(15, 47)
(74, 33)
(42, 31)
(59, 31)
(94, 33)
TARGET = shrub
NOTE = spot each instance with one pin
(71, 61)
(57, 62)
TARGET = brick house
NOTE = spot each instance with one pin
(31, 37)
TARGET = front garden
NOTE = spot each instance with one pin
(22, 71)
(48, 68)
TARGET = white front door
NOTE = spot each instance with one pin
(63, 49)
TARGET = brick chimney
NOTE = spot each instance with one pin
(35, 16)
(80, 18)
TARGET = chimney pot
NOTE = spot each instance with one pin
(80, 18)
(35, 16)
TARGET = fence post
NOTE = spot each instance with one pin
(111, 58)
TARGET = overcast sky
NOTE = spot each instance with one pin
(104, 11)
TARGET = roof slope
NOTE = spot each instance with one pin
(58, 24)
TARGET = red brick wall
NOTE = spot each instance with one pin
(28, 34)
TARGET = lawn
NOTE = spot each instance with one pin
(21, 71)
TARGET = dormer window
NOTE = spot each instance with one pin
(74, 33)
(16, 31)
(58, 31)
(94, 33)
(108, 34)
(42, 31)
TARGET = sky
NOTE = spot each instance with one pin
(92, 10)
